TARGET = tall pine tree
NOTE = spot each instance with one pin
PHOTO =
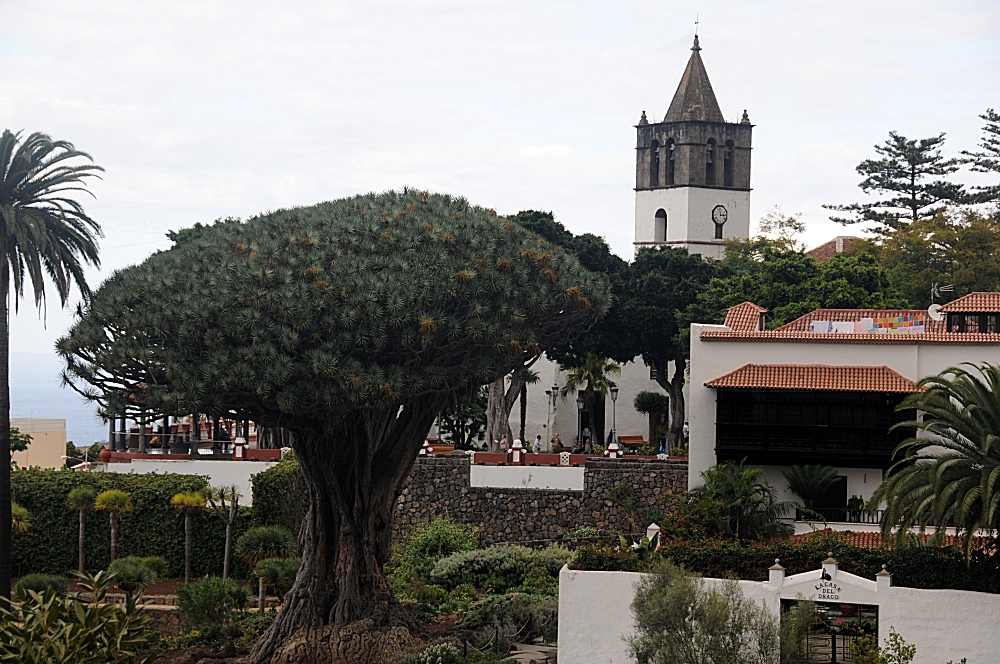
(909, 180)
(987, 158)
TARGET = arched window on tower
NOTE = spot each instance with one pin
(654, 164)
(660, 227)
(670, 160)
(727, 165)
(710, 157)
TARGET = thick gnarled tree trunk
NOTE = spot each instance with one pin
(674, 387)
(501, 401)
(340, 608)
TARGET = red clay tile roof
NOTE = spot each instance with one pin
(799, 330)
(744, 317)
(974, 303)
(953, 338)
(803, 323)
(828, 250)
(869, 540)
(815, 377)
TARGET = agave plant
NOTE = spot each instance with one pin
(642, 548)
(20, 519)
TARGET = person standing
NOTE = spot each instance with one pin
(503, 443)
(537, 447)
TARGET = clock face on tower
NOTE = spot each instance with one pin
(719, 215)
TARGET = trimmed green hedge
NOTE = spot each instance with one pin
(913, 567)
(153, 528)
(279, 497)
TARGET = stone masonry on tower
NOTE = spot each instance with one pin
(692, 171)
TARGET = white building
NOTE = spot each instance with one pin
(823, 388)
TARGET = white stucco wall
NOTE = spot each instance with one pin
(221, 473)
(711, 359)
(595, 614)
(633, 379)
(689, 217)
(527, 477)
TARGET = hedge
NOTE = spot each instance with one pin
(279, 497)
(913, 567)
(153, 528)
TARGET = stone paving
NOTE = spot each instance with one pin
(526, 653)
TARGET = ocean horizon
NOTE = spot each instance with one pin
(36, 391)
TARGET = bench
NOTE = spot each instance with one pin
(631, 441)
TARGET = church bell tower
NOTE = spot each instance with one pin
(692, 171)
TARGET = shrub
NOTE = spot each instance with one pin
(514, 617)
(152, 529)
(131, 574)
(43, 627)
(157, 564)
(277, 574)
(416, 553)
(212, 601)
(40, 582)
(440, 653)
(279, 497)
(680, 621)
(501, 567)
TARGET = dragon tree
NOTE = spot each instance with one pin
(351, 324)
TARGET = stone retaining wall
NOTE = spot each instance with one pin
(616, 496)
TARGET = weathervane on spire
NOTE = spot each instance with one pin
(695, 25)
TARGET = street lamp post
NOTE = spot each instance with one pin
(614, 414)
(579, 420)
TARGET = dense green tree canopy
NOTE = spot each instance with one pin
(311, 312)
(352, 324)
(961, 248)
(789, 283)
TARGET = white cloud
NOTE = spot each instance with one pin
(206, 109)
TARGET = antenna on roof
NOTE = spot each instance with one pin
(937, 290)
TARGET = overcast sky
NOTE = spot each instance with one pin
(200, 110)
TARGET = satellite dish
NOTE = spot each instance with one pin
(934, 311)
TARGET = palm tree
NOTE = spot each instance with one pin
(20, 519)
(593, 372)
(654, 405)
(950, 470)
(225, 502)
(114, 502)
(82, 499)
(261, 543)
(810, 482)
(749, 504)
(188, 503)
(43, 233)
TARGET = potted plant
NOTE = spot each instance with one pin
(179, 447)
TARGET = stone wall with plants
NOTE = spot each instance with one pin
(621, 495)
(153, 528)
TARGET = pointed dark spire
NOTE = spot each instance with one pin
(694, 99)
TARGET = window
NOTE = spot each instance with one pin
(660, 226)
(710, 162)
(654, 164)
(670, 161)
(727, 165)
